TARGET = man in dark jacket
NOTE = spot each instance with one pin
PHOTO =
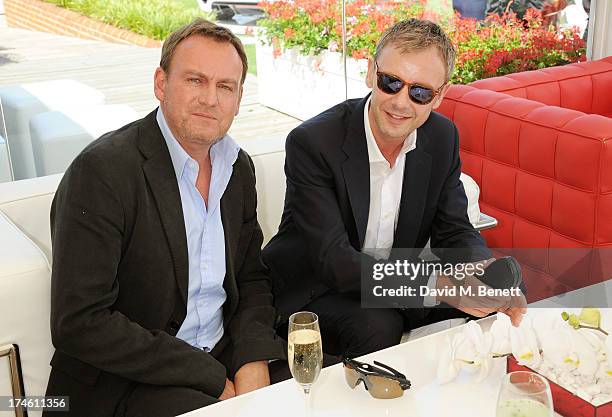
(160, 303)
(369, 176)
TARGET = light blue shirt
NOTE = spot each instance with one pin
(203, 325)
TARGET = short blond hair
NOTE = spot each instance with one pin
(414, 35)
(201, 27)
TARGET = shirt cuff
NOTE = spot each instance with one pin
(430, 300)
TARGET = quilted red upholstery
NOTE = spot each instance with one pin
(545, 173)
(584, 86)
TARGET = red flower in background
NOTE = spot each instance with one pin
(360, 54)
(289, 33)
(499, 45)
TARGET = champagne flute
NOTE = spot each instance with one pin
(524, 394)
(305, 349)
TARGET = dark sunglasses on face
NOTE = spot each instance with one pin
(381, 381)
(390, 84)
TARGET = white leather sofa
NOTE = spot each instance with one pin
(25, 257)
(25, 250)
(5, 167)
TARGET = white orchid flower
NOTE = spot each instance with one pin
(449, 366)
(557, 346)
(577, 357)
(572, 350)
(587, 356)
(484, 358)
(524, 342)
(470, 349)
(545, 321)
(500, 332)
(476, 350)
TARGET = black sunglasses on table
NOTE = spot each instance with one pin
(390, 84)
(381, 381)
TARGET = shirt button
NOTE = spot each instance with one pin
(205, 267)
(206, 349)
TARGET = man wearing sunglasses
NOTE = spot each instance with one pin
(368, 176)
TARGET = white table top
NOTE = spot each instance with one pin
(417, 359)
(331, 396)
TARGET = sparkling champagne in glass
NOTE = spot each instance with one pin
(524, 394)
(305, 349)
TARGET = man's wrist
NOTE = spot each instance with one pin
(252, 367)
(252, 376)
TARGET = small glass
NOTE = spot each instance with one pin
(524, 394)
(305, 348)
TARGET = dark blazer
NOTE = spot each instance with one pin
(120, 275)
(324, 222)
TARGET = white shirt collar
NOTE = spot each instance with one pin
(374, 153)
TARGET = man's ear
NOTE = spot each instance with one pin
(159, 84)
(371, 75)
(440, 96)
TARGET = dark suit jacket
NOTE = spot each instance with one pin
(120, 275)
(324, 222)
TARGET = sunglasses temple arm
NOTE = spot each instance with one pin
(388, 368)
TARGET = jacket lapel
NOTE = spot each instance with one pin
(161, 179)
(414, 194)
(356, 170)
(231, 217)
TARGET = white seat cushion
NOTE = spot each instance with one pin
(27, 204)
(59, 136)
(21, 102)
(269, 159)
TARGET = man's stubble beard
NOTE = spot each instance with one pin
(192, 136)
(184, 133)
(386, 130)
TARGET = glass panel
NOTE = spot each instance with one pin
(302, 66)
